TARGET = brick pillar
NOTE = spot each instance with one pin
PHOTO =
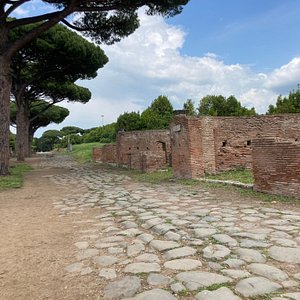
(276, 166)
(186, 147)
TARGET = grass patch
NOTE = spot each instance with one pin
(154, 177)
(240, 175)
(15, 179)
(83, 152)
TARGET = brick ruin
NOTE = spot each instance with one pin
(198, 145)
(222, 143)
(276, 166)
(105, 154)
(142, 150)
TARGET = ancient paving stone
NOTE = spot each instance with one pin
(194, 280)
(111, 239)
(105, 260)
(108, 273)
(148, 257)
(215, 252)
(162, 228)
(177, 287)
(250, 255)
(222, 293)
(268, 271)
(289, 283)
(146, 237)
(225, 239)
(184, 264)
(135, 249)
(234, 263)
(152, 222)
(157, 294)
(83, 254)
(204, 232)
(115, 250)
(76, 267)
(142, 267)
(236, 274)
(179, 252)
(129, 224)
(253, 244)
(131, 232)
(82, 245)
(215, 266)
(158, 279)
(284, 242)
(255, 286)
(172, 236)
(125, 287)
(285, 254)
(294, 296)
(163, 245)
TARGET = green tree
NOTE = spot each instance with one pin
(48, 139)
(212, 105)
(104, 21)
(286, 105)
(47, 69)
(158, 115)
(103, 134)
(189, 106)
(129, 121)
(72, 130)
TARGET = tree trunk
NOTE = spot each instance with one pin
(5, 88)
(22, 137)
(30, 139)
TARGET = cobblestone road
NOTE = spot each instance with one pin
(166, 242)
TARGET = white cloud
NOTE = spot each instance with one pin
(286, 76)
(148, 63)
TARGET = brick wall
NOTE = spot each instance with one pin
(105, 154)
(147, 150)
(276, 166)
(187, 152)
(97, 154)
(234, 135)
(223, 143)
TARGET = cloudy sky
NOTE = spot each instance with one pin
(247, 48)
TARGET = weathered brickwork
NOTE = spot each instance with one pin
(105, 154)
(234, 135)
(147, 150)
(223, 143)
(187, 150)
(142, 150)
(276, 166)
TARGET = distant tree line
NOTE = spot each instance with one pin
(157, 115)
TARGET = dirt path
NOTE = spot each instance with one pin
(37, 244)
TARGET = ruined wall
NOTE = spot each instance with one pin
(97, 154)
(276, 166)
(187, 150)
(105, 154)
(234, 135)
(147, 150)
(223, 143)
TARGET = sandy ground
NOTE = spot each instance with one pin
(36, 244)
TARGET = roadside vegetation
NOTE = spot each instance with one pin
(83, 152)
(240, 175)
(15, 179)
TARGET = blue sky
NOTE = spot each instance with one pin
(246, 48)
(262, 34)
